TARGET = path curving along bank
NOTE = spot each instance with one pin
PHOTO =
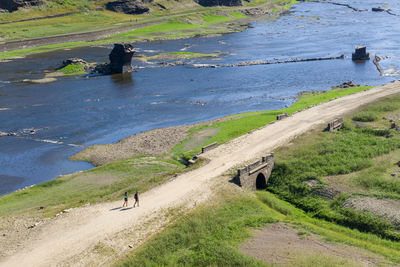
(69, 239)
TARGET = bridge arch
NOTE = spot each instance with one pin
(261, 181)
(255, 176)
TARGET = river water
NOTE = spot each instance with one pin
(75, 112)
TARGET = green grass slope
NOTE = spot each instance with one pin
(181, 19)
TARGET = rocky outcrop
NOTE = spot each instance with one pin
(74, 61)
(77, 61)
(347, 85)
(256, 11)
(378, 9)
(220, 2)
(120, 60)
(13, 5)
(376, 61)
(129, 6)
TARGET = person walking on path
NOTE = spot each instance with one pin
(125, 200)
(136, 199)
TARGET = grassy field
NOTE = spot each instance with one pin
(210, 235)
(81, 22)
(361, 156)
(237, 125)
(99, 184)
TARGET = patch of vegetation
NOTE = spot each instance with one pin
(80, 22)
(100, 184)
(379, 177)
(348, 151)
(207, 237)
(237, 125)
(365, 117)
(178, 24)
(40, 49)
(73, 69)
(210, 235)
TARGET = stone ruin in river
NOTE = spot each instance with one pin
(120, 60)
(360, 53)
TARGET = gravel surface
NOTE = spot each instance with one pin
(387, 208)
(155, 142)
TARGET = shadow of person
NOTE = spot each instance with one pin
(125, 209)
(116, 208)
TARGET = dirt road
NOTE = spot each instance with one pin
(68, 240)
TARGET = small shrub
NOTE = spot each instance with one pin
(51, 183)
(365, 117)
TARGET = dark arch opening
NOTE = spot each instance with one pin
(261, 182)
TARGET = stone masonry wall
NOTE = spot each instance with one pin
(247, 177)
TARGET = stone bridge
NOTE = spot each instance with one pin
(255, 176)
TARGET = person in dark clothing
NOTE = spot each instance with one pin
(136, 199)
(125, 200)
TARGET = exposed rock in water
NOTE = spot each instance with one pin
(220, 2)
(102, 68)
(378, 66)
(76, 61)
(360, 53)
(129, 6)
(7, 134)
(347, 85)
(120, 60)
(171, 64)
(378, 9)
(13, 5)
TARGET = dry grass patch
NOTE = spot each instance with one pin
(284, 246)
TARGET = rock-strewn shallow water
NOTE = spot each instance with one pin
(75, 112)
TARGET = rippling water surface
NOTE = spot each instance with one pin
(75, 112)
